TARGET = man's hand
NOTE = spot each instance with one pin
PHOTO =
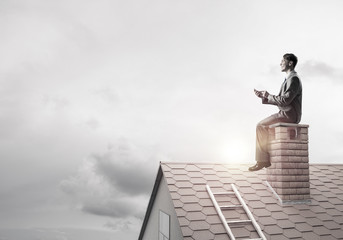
(261, 94)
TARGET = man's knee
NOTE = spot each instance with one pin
(261, 127)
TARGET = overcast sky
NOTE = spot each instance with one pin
(93, 94)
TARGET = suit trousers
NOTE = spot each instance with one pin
(262, 135)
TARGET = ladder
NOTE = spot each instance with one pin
(242, 205)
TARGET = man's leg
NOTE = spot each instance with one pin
(262, 133)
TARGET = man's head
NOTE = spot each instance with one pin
(288, 62)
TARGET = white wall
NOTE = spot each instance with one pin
(164, 203)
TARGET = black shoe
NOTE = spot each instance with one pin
(259, 166)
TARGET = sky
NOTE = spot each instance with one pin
(94, 94)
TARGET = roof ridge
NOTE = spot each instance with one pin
(224, 163)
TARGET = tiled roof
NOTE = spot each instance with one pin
(320, 219)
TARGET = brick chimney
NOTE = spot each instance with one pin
(289, 174)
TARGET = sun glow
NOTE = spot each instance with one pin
(237, 151)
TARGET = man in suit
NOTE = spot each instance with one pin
(289, 103)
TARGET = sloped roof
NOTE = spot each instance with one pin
(320, 219)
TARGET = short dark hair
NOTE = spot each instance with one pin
(291, 57)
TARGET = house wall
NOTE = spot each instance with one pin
(164, 203)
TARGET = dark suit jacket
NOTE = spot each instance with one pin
(289, 98)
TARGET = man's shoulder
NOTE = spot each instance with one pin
(293, 76)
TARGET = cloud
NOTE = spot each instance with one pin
(312, 68)
(126, 171)
(107, 94)
(116, 184)
(121, 207)
(120, 225)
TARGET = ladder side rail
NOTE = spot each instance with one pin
(221, 216)
(251, 217)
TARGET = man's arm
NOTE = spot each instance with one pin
(287, 96)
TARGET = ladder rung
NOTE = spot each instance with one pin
(240, 221)
(253, 239)
(231, 206)
(224, 193)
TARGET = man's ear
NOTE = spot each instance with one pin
(290, 63)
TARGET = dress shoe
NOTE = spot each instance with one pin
(259, 166)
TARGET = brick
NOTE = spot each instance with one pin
(287, 152)
(289, 178)
(290, 197)
(303, 159)
(280, 184)
(276, 159)
(299, 184)
(303, 130)
(292, 191)
(290, 165)
(303, 190)
(288, 146)
(290, 184)
(281, 130)
(284, 197)
(299, 197)
(303, 137)
(286, 171)
(281, 135)
(286, 191)
(298, 171)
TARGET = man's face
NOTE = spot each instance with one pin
(285, 65)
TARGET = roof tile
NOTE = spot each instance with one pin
(206, 202)
(310, 236)
(337, 233)
(183, 184)
(240, 232)
(338, 219)
(303, 227)
(314, 222)
(178, 171)
(180, 212)
(186, 231)
(285, 224)
(195, 174)
(194, 216)
(201, 195)
(196, 180)
(181, 178)
(203, 235)
(279, 215)
(222, 237)
(214, 219)
(278, 237)
(192, 168)
(292, 233)
(306, 214)
(199, 225)
(183, 221)
(209, 211)
(273, 230)
(252, 198)
(261, 212)
(178, 203)
(186, 192)
(266, 221)
(192, 207)
(321, 231)
(321, 219)
(189, 199)
(217, 229)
